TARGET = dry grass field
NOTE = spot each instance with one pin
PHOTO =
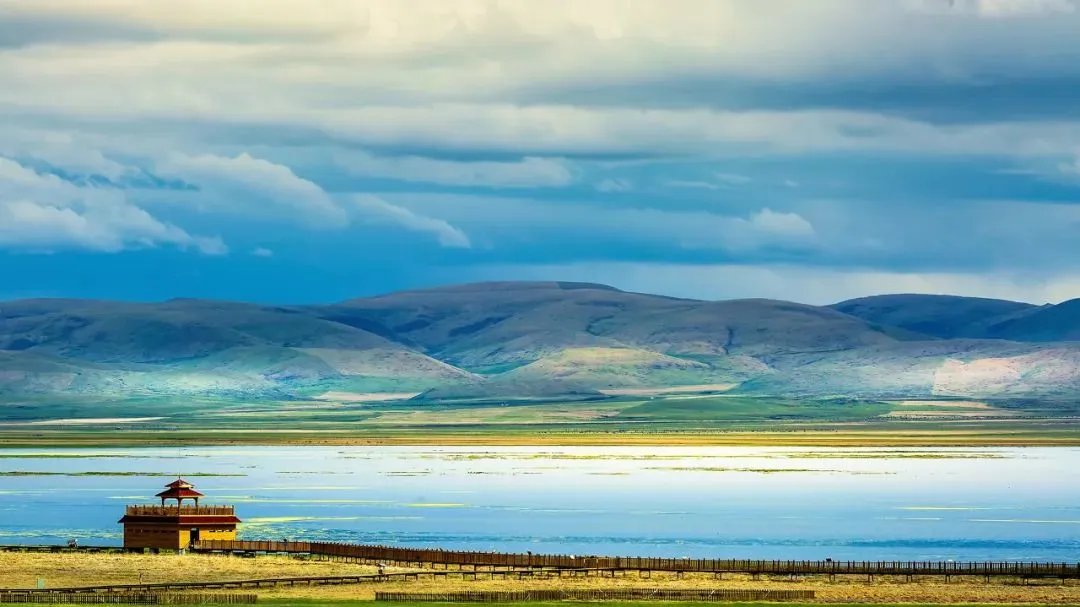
(21, 570)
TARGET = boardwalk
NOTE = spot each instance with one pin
(334, 580)
(123, 598)
(496, 560)
(596, 594)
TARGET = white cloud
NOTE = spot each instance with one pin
(249, 185)
(762, 230)
(782, 223)
(44, 213)
(721, 181)
(818, 286)
(996, 8)
(362, 71)
(560, 129)
(526, 173)
(255, 185)
(62, 151)
(376, 209)
(694, 184)
(510, 222)
(262, 252)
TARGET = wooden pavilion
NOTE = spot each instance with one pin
(177, 526)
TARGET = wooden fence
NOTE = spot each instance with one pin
(59, 548)
(616, 594)
(125, 598)
(389, 554)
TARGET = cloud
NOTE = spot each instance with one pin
(44, 213)
(262, 252)
(608, 186)
(996, 8)
(720, 181)
(782, 223)
(690, 183)
(763, 230)
(525, 227)
(255, 185)
(376, 209)
(61, 150)
(519, 81)
(817, 286)
(713, 111)
(529, 172)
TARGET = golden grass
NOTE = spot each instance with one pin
(849, 590)
(23, 569)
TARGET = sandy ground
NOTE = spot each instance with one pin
(19, 570)
(85, 421)
(370, 397)
(668, 390)
(944, 404)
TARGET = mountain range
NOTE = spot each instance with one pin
(526, 340)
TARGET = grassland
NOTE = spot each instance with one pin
(22, 570)
(676, 418)
(355, 603)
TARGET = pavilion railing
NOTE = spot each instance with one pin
(155, 510)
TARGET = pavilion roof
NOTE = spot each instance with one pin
(179, 492)
(179, 489)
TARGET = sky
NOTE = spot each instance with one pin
(318, 150)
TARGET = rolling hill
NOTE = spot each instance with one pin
(944, 316)
(539, 340)
(1048, 323)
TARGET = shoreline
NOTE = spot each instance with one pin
(47, 438)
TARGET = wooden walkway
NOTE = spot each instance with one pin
(510, 561)
(408, 576)
(598, 594)
(123, 598)
(469, 565)
(60, 548)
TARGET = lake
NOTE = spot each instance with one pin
(709, 502)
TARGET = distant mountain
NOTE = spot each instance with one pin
(943, 316)
(538, 340)
(949, 316)
(493, 325)
(182, 346)
(1047, 324)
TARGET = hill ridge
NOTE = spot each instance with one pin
(538, 337)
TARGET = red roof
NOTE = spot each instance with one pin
(179, 489)
(179, 492)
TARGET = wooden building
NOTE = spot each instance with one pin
(176, 526)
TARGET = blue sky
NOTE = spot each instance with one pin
(811, 151)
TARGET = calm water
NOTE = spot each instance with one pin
(963, 504)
